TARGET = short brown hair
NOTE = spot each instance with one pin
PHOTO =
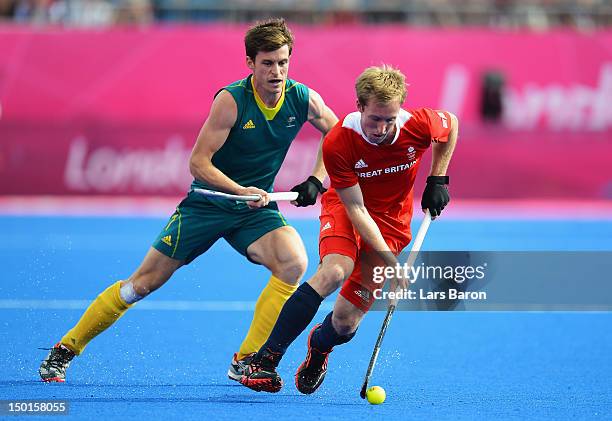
(267, 35)
(383, 83)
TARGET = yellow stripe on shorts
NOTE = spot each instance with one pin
(178, 233)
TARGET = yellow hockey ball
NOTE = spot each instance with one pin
(376, 395)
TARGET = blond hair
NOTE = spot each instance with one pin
(383, 83)
(267, 35)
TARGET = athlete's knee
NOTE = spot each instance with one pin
(292, 268)
(333, 274)
(330, 277)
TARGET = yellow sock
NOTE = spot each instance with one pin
(105, 310)
(267, 309)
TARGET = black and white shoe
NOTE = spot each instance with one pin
(53, 368)
(237, 367)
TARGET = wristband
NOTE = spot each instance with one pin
(314, 180)
(437, 179)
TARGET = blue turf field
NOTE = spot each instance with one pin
(158, 363)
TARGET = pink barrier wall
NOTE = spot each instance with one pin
(117, 111)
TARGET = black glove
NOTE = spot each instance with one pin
(435, 197)
(308, 191)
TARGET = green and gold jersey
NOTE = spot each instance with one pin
(259, 140)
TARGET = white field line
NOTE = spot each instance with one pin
(166, 305)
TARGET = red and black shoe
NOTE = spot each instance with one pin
(260, 374)
(311, 373)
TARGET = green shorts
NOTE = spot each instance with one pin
(199, 222)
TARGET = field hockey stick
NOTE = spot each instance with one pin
(414, 252)
(274, 197)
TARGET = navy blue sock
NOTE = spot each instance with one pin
(296, 315)
(326, 337)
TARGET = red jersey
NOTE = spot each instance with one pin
(385, 173)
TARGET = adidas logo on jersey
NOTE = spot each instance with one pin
(167, 240)
(364, 294)
(326, 227)
(249, 125)
(360, 164)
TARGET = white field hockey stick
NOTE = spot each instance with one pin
(274, 197)
(414, 252)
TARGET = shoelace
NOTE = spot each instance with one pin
(265, 363)
(59, 359)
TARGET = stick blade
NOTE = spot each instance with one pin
(363, 390)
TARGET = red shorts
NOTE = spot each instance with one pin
(337, 236)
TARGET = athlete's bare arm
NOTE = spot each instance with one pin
(352, 198)
(214, 132)
(323, 119)
(442, 152)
